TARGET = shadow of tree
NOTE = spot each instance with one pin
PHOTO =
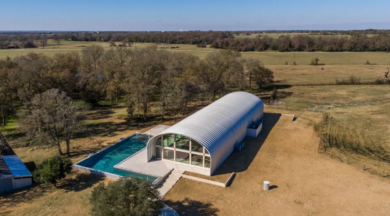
(100, 113)
(192, 207)
(81, 182)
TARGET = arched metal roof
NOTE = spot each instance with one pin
(221, 123)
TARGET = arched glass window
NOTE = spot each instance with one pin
(196, 147)
(182, 142)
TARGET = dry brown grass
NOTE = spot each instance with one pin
(306, 74)
(70, 198)
(302, 181)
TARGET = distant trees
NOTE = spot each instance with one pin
(127, 196)
(51, 115)
(332, 41)
(52, 169)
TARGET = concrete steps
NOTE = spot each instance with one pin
(169, 182)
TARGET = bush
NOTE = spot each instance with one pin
(52, 169)
(315, 61)
(127, 196)
(351, 81)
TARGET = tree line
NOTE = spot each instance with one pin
(355, 43)
(139, 76)
(358, 41)
(33, 40)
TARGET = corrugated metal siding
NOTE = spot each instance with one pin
(6, 184)
(16, 166)
(220, 125)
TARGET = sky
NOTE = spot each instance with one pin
(173, 15)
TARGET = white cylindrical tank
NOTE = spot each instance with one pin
(266, 185)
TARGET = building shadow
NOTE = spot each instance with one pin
(81, 182)
(192, 207)
(240, 161)
(23, 195)
(273, 187)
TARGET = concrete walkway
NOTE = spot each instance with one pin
(169, 182)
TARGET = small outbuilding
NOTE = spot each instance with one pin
(13, 173)
(204, 140)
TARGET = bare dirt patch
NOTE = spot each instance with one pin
(303, 182)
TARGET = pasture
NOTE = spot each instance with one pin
(285, 152)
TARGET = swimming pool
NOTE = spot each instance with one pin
(106, 159)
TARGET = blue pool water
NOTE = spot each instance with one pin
(108, 158)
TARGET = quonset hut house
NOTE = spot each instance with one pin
(204, 140)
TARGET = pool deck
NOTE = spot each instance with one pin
(156, 130)
(138, 164)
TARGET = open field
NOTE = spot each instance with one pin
(268, 57)
(327, 74)
(302, 181)
(338, 65)
(361, 108)
(285, 153)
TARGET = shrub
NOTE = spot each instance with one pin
(127, 196)
(351, 81)
(315, 61)
(53, 169)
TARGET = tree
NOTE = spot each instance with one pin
(262, 76)
(217, 69)
(51, 114)
(251, 65)
(113, 70)
(57, 38)
(127, 196)
(53, 169)
(43, 41)
(142, 76)
(91, 80)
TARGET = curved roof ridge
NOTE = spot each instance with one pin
(210, 124)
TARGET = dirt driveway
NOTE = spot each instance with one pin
(303, 182)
